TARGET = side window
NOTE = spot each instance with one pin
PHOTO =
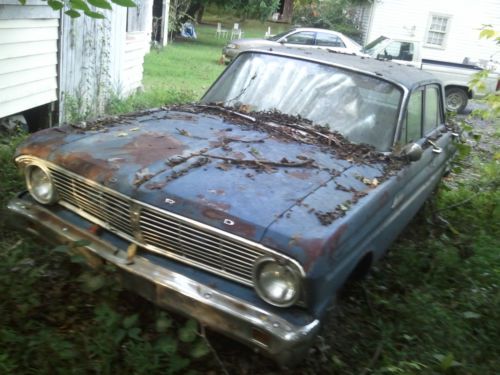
(399, 51)
(329, 40)
(414, 117)
(432, 113)
(306, 38)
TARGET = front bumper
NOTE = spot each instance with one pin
(265, 331)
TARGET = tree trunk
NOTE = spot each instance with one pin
(194, 10)
(199, 15)
(287, 11)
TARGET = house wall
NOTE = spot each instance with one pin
(28, 55)
(91, 54)
(100, 59)
(137, 44)
(410, 19)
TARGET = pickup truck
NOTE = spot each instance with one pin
(249, 210)
(455, 77)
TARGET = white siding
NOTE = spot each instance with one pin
(28, 58)
(133, 61)
(91, 53)
(409, 19)
(98, 59)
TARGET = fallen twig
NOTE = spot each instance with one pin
(261, 162)
(203, 335)
(374, 359)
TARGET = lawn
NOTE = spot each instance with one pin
(431, 307)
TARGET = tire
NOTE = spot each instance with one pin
(456, 99)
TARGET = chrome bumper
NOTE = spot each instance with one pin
(262, 330)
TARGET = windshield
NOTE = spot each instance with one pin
(371, 47)
(362, 108)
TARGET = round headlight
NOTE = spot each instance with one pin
(277, 283)
(40, 184)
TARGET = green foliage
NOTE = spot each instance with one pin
(477, 82)
(256, 9)
(328, 14)
(103, 4)
(74, 8)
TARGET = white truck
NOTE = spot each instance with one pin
(455, 77)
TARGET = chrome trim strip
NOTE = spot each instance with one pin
(220, 311)
(137, 233)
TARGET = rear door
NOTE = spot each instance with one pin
(406, 193)
(330, 41)
(424, 124)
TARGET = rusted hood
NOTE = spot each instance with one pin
(234, 177)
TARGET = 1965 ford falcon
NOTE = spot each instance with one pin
(249, 210)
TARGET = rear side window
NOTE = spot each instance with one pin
(423, 115)
(432, 117)
(304, 37)
(329, 40)
(414, 117)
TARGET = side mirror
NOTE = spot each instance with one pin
(283, 41)
(413, 151)
(384, 56)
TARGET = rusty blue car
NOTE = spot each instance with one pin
(248, 210)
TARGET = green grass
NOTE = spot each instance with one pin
(431, 307)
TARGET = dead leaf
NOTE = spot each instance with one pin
(183, 132)
(224, 166)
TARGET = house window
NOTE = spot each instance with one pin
(438, 28)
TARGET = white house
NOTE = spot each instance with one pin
(56, 68)
(448, 30)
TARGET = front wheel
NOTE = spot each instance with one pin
(456, 99)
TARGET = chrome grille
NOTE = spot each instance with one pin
(159, 231)
(109, 208)
(170, 235)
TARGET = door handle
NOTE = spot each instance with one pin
(435, 148)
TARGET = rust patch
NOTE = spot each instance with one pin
(151, 147)
(238, 155)
(314, 248)
(383, 201)
(181, 116)
(239, 228)
(85, 165)
(42, 144)
(217, 192)
(301, 175)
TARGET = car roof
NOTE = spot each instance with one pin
(409, 77)
(315, 29)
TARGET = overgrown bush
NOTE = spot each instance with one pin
(335, 15)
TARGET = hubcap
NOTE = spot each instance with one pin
(454, 102)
